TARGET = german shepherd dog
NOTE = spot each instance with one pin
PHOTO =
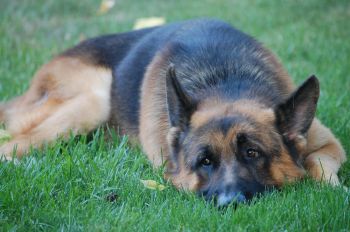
(201, 97)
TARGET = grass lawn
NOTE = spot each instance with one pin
(94, 185)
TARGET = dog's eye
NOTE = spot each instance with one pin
(252, 153)
(206, 161)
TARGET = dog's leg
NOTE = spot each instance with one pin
(6, 107)
(78, 115)
(23, 119)
(325, 154)
(75, 96)
(23, 103)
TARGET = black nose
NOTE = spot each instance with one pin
(226, 198)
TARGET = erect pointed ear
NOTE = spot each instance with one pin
(180, 105)
(295, 115)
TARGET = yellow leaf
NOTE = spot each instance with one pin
(82, 37)
(105, 6)
(4, 136)
(151, 184)
(148, 22)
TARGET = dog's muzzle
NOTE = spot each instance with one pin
(224, 199)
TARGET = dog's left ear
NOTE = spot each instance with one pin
(295, 115)
(180, 105)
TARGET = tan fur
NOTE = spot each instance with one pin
(284, 170)
(154, 124)
(215, 108)
(185, 179)
(65, 95)
(323, 154)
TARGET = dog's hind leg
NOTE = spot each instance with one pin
(72, 92)
(78, 115)
(21, 104)
(74, 97)
(7, 107)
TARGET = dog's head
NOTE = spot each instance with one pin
(230, 152)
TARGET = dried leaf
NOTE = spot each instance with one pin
(4, 136)
(105, 6)
(151, 184)
(82, 37)
(148, 22)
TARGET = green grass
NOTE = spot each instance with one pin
(66, 185)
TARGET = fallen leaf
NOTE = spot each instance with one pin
(105, 6)
(148, 22)
(4, 136)
(151, 184)
(82, 37)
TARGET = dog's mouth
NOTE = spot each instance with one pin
(232, 198)
(224, 199)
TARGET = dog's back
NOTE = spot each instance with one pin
(211, 58)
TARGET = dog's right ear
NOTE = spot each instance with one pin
(180, 105)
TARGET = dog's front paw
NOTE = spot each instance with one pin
(332, 179)
(324, 175)
(328, 177)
